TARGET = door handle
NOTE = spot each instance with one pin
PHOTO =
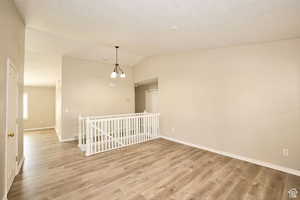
(11, 134)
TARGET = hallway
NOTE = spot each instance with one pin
(158, 169)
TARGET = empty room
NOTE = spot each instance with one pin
(150, 100)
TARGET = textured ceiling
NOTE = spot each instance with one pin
(89, 29)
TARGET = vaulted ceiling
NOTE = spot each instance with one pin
(90, 29)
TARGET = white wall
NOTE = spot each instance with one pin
(243, 100)
(41, 107)
(88, 90)
(58, 104)
(12, 34)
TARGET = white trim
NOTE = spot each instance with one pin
(231, 155)
(66, 140)
(20, 165)
(38, 129)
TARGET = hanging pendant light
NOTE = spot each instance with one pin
(118, 72)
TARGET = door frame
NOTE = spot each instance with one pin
(10, 64)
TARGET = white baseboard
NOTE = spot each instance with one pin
(257, 162)
(66, 140)
(20, 165)
(39, 129)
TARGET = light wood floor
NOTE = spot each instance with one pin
(158, 170)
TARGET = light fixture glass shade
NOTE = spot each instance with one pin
(113, 74)
(123, 75)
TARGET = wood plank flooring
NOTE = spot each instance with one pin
(156, 170)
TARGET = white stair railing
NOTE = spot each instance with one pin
(104, 133)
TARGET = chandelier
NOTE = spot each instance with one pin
(118, 71)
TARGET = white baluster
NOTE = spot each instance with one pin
(79, 132)
(84, 131)
(104, 136)
(108, 128)
(113, 133)
(131, 130)
(152, 127)
(99, 133)
(148, 126)
(144, 124)
(116, 133)
(126, 133)
(87, 143)
(94, 137)
(138, 129)
(135, 131)
(129, 133)
(122, 131)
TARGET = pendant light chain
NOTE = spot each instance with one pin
(117, 55)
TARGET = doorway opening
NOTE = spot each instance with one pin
(147, 96)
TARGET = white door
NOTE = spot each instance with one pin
(152, 99)
(11, 124)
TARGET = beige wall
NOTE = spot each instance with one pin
(11, 45)
(88, 90)
(41, 107)
(140, 96)
(243, 100)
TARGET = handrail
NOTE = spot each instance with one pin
(111, 116)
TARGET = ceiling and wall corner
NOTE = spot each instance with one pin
(90, 29)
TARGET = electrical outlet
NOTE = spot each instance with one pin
(285, 152)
